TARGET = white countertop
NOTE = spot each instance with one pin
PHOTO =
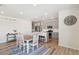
(45, 31)
(54, 30)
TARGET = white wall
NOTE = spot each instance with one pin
(7, 25)
(24, 26)
(69, 35)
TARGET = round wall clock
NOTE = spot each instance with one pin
(70, 20)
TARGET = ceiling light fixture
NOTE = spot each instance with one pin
(2, 12)
(21, 13)
(35, 17)
(34, 5)
(46, 14)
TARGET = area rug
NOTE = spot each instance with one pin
(37, 51)
(14, 50)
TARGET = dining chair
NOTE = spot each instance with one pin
(20, 41)
(34, 41)
(22, 44)
(43, 37)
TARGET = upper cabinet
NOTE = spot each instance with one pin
(50, 24)
(38, 26)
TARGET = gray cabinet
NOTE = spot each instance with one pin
(36, 26)
(55, 34)
(11, 37)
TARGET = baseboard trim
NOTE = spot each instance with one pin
(68, 46)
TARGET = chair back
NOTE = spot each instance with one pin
(20, 39)
(35, 39)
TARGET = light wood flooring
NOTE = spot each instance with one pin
(52, 43)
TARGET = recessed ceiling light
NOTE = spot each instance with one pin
(35, 17)
(34, 5)
(46, 14)
(2, 12)
(21, 13)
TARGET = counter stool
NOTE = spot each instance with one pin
(41, 38)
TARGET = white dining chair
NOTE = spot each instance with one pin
(43, 36)
(34, 41)
(20, 41)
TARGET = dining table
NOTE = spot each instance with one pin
(28, 38)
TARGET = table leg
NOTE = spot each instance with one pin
(27, 46)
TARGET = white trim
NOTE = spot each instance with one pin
(68, 46)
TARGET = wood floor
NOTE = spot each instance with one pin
(4, 48)
(52, 43)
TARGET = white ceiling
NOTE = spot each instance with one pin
(28, 11)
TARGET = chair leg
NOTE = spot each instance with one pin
(27, 46)
(24, 48)
(33, 48)
(20, 47)
(37, 46)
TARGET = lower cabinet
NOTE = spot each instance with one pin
(11, 37)
(55, 35)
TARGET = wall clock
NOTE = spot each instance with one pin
(70, 20)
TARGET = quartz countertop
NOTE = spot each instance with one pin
(54, 30)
